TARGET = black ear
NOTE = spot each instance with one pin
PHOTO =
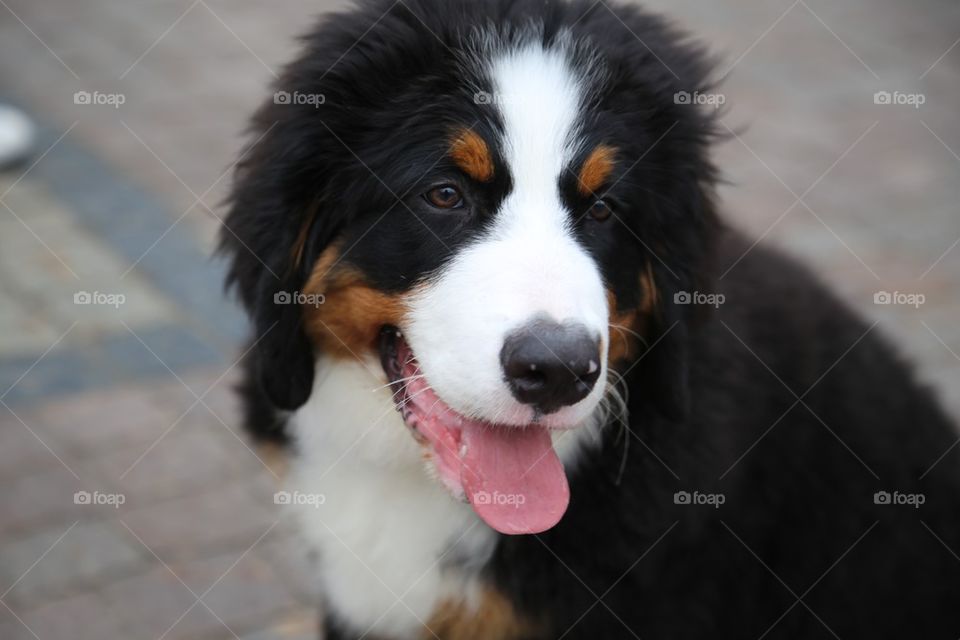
(283, 356)
(272, 216)
(287, 202)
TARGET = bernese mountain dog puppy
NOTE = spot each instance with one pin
(480, 246)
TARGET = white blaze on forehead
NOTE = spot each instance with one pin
(539, 98)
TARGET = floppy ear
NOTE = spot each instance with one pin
(283, 357)
(275, 226)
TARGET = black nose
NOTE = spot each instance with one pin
(550, 365)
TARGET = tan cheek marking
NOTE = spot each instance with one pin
(494, 617)
(624, 325)
(623, 344)
(651, 295)
(347, 324)
(471, 153)
(596, 169)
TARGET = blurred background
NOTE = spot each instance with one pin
(130, 504)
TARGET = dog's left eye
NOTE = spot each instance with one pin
(600, 210)
(444, 197)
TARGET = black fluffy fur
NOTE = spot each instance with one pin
(799, 520)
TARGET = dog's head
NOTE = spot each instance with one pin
(496, 203)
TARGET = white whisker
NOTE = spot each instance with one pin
(625, 330)
(407, 400)
(614, 407)
(415, 376)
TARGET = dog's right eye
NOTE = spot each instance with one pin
(600, 210)
(444, 197)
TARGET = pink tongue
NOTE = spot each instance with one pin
(513, 478)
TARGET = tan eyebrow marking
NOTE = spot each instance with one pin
(596, 169)
(471, 153)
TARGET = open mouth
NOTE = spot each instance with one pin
(510, 475)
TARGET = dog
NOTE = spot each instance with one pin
(481, 249)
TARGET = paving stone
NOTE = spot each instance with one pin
(156, 602)
(222, 396)
(104, 420)
(22, 446)
(108, 360)
(217, 390)
(66, 260)
(177, 465)
(11, 628)
(24, 329)
(202, 623)
(242, 590)
(222, 417)
(298, 625)
(185, 527)
(251, 458)
(82, 617)
(41, 497)
(85, 555)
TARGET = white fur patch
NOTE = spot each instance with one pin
(386, 531)
(527, 265)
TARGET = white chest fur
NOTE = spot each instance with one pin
(393, 543)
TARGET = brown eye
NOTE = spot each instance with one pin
(600, 210)
(444, 197)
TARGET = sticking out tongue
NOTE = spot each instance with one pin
(512, 477)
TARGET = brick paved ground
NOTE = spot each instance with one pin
(104, 400)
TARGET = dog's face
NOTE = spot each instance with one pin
(494, 214)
